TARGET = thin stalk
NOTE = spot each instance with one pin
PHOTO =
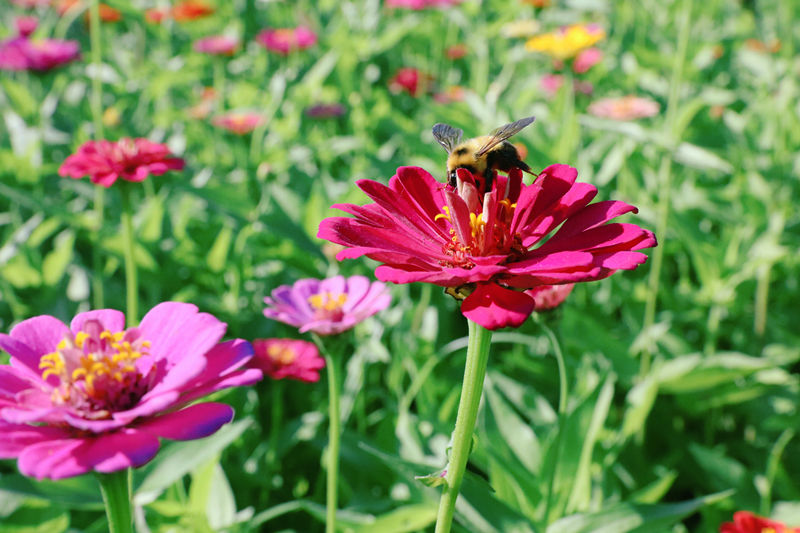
(562, 414)
(131, 283)
(276, 420)
(773, 462)
(96, 103)
(334, 437)
(474, 374)
(116, 490)
(665, 180)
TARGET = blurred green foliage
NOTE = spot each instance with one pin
(709, 427)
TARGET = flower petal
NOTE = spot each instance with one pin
(194, 422)
(494, 307)
(111, 319)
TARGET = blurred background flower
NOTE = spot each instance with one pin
(624, 108)
(286, 40)
(288, 358)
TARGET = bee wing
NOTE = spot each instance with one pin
(447, 135)
(502, 133)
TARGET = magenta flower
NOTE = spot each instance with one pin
(222, 45)
(586, 59)
(625, 108)
(26, 25)
(411, 80)
(130, 159)
(286, 40)
(288, 358)
(24, 53)
(327, 306)
(488, 246)
(239, 122)
(97, 397)
(417, 5)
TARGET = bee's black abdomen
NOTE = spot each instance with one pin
(505, 157)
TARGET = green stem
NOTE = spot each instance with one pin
(116, 490)
(334, 436)
(96, 103)
(474, 374)
(131, 284)
(665, 180)
(562, 414)
(762, 300)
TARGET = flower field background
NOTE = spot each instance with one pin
(677, 403)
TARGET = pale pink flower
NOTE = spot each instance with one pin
(625, 108)
(547, 297)
(586, 59)
(239, 122)
(217, 45)
(417, 5)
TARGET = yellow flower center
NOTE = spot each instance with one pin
(282, 354)
(96, 369)
(328, 305)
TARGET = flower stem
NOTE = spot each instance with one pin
(131, 283)
(665, 179)
(96, 103)
(116, 489)
(334, 436)
(474, 374)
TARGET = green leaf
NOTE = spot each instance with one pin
(56, 262)
(218, 255)
(633, 518)
(82, 492)
(36, 517)
(406, 519)
(177, 459)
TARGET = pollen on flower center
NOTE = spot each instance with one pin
(328, 305)
(97, 369)
(283, 354)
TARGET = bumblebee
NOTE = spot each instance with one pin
(482, 156)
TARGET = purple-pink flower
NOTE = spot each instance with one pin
(325, 110)
(94, 396)
(129, 159)
(288, 358)
(546, 297)
(624, 108)
(286, 40)
(24, 53)
(221, 45)
(327, 306)
(488, 246)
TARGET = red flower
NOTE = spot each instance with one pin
(190, 10)
(287, 358)
(411, 80)
(747, 522)
(129, 159)
(487, 246)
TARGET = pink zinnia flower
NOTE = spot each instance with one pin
(286, 40)
(217, 45)
(26, 25)
(30, 4)
(130, 159)
(586, 59)
(24, 53)
(551, 83)
(288, 358)
(97, 397)
(488, 245)
(327, 306)
(417, 5)
(747, 522)
(625, 108)
(411, 80)
(454, 93)
(239, 122)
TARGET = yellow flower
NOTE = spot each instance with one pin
(566, 42)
